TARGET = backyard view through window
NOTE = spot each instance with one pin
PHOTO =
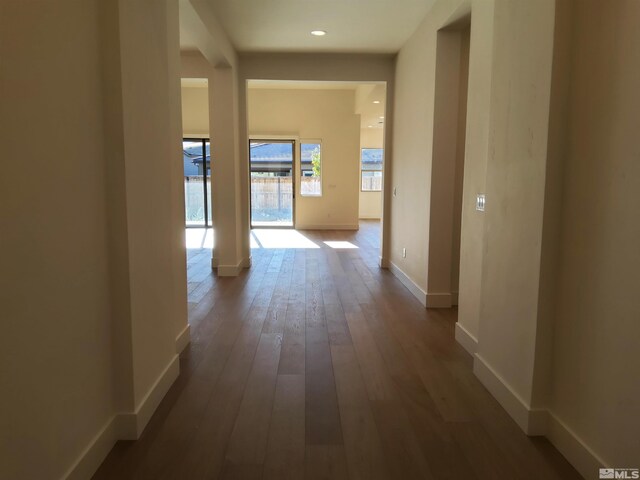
(271, 183)
(371, 169)
(310, 169)
(196, 157)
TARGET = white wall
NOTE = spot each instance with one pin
(413, 143)
(54, 289)
(327, 115)
(371, 202)
(596, 390)
(93, 290)
(548, 271)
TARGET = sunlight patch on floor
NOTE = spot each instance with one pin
(279, 238)
(340, 244)
(199, 237)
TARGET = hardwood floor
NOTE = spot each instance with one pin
(316, 364)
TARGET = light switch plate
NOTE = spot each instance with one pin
(480, 202)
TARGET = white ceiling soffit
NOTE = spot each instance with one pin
(370, 105)
(194, 82)
(304, 85)
(352, 26)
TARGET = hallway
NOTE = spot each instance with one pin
(317, 364)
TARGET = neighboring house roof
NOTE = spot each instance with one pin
(192, 158)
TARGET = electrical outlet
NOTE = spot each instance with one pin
(404, 253)
(480, 202)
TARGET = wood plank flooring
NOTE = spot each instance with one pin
(317, 364)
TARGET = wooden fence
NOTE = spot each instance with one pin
(271, 193)
(371, 184)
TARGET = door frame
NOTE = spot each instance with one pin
(295, 142)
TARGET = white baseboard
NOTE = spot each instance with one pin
(123, 426)
(350, 226)
(532, 421)
(229, 270)
(438, 300)
(373, 217)
(155, 395)
(575, 450)
(454, 298)
(233, 270)
(97, 450)
(417, 292)
(464, 338)
(183, 339)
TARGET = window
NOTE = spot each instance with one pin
(310, 169)
(196, 158)
(371, 169)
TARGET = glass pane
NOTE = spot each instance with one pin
(193, 182)
(371, 181)
(271, 183)
(310, 169)
(371, 168)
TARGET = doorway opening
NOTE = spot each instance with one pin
(272, 183)
(449, 137)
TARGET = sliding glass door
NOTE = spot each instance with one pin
(272, 185)
(196, 157)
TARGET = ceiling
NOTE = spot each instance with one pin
(352, 26)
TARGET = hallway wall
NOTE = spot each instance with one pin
(55, 346)
(94, 284)
(595, 390)
(550, 141)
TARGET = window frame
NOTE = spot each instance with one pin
(206, 166)
(381, 170)
(311, 141)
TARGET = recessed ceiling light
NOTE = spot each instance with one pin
(376, 101)
(370, 126)
(318, 33)
(381, 118)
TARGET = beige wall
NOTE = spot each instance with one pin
(152, 233)
(54, 289)
(461, 126)
(447, 165)
(596, 390)
(413, 144)
(327, 115)
(195, 111)
(475, 165)
(548, 271)
(515, 181)
(94, 290)
(371, 202)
